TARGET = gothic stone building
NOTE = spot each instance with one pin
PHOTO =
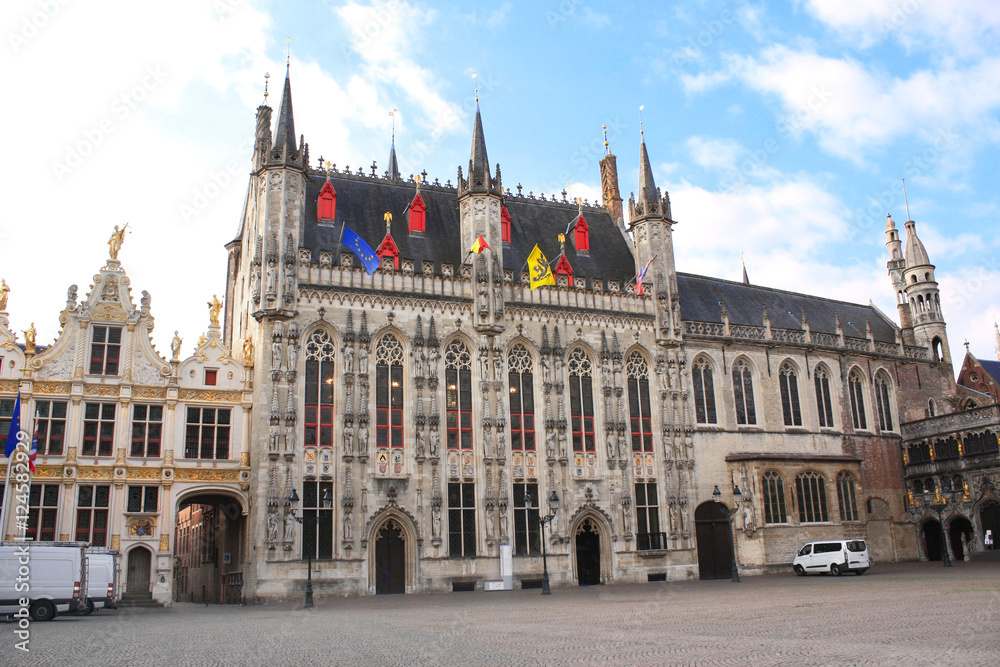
(408, 415)
(127, 439)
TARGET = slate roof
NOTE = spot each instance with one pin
(701, 297)
(362, 202)
(991, 367)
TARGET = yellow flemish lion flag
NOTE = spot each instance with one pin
(538, 269)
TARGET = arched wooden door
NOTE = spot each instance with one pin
(390, 559)
(138, 570)
(588, 554)
(715, 546)
(989, 520)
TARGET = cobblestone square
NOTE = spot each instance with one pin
(913, 614)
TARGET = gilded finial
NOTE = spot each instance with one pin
(607, 151)
(641, 107)
(562, 242)
(267, 77)
(392, 114)
(475, 77)
(579, 205)
(288, 47)
(328, 165)
(388, 220)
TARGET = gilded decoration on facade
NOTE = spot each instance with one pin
(200, 474)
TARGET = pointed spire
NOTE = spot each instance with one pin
(916, 254)
(393, 171)
(479, 171)
(285, 133)
(648, 196)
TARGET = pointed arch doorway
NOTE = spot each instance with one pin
(715, 546)
(390, 559)
(588, 554)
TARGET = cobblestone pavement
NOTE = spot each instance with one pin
(913, 614)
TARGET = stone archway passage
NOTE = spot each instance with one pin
(715, 546)
(989, 519)
(960, 528)
(933, 539)
(139, 560)
(588, 554)
(390, 559)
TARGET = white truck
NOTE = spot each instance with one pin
(47, 578)
(102, 580)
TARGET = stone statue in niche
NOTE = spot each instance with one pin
(484, 304)
(484, 359)
(289, 280)
(348, 438)
(420, 443)
(672, 370)
(418, 363)
(272, 528)
(612, 441)
(348, 524)
(435, 442)
(293, 355)
(363, 439)
(363, 360)
(749, 521)
(349, 358)
(436, 522)
(289, 531)
(684, 517)
(433, 365)
(273, 437)
(276, 354)
(622, 447)
(255, 284)
(674, 525)
(289, 439)
(272, 278)
(546, 370)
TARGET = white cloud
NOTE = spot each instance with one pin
(914, 23)
(715, 154)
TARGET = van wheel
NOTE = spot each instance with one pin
(799, 570)
(42, 610)
(835, 570)
(89, 609)
(861, 571)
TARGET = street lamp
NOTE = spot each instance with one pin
(542, 520)
(326, 503)
(939, 505)
(732, 533)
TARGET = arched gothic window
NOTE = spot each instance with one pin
(774, 498)
(743, 393)
(522, 399)
(845, 497)
(882, 402)
(788, 383)
(824, 404)
(637, 372)
(810, 490)
(856, 388)
(581, 400)
(704, 392)
(458, 394)
(389, 392)
(318, 421)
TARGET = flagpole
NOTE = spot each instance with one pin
(340, 240)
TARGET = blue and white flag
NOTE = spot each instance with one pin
(15, 426)
(362, 250)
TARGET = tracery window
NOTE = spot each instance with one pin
(810, 490)
(704, 392)
(581, 400)
(824, 404)
(845, 497)
(882, 402)
(389, 392)
(856, 388)
(527, 530)
(317, 522)
(743, 393)
(789, 386)
(462, 520)
(774, 498)
(647, 517)
(522, 400)
(318, 422)
(637, 374)
(458, 395)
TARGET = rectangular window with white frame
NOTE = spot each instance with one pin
(98, 429)
(207, 434)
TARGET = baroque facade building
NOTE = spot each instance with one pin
(410, 425)
(126, 438)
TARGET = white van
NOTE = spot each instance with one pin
(50, 576)
(833, 556)
(102, 580)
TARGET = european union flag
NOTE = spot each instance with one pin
(362, 250)
(15, 426)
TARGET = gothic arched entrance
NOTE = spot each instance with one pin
(715, 545)
(933, 539)
(588, 554)
(989, 519)
(960, 528)
(137, 583)
(390, 559)
(209, 527)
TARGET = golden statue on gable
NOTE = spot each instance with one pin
(214, 308)
(116, 240)
(4, 293)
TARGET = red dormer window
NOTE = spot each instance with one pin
(563, 267)
(389, 249)
(326, 205)
(418, 215)
(504, 224)
(582, 235)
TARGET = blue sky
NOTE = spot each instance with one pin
(780, 130)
